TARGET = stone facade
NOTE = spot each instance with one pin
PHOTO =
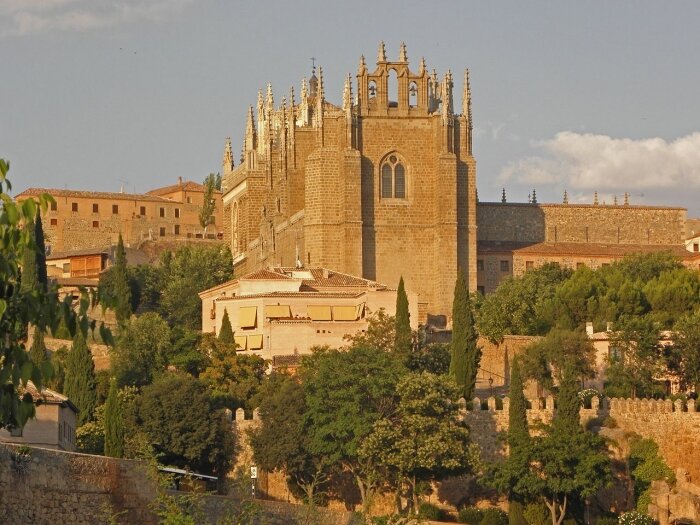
(382, 186)
(90, 219)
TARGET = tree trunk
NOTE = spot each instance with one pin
(555, 506)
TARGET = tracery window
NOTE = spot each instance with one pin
(393, 179)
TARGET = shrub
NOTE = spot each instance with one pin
(516, 513)
(428, 511)
(494, 516)
(610, 422)
(470, 515)
(537, 514)
(635, 518)
(607, 520)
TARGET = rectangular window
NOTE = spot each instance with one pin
(696, 247)
(529, 265)
(177, 213)
(95, 224)
(177, 229)
(579, 265)
(54, 222)
(115, 209)
(142, 211)
(95, 208)
(54, 206)
(162, 231)
(74, 206)
(189, 200)
(162, 212)
(480, 265)
(505, 266)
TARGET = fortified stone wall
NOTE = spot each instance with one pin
(580, 223)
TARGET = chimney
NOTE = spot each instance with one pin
(179, 181)
(589, 329)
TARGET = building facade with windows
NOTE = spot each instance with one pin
(381, 186)
(280, 313)
(80, 220)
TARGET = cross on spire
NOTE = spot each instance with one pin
(313, 63)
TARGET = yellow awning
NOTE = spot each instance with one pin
(344, 313)
(273, 311)
(319, 313)
(247, 316)
(240, 342)
(255, 342)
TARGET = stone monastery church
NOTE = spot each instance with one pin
(384, 185)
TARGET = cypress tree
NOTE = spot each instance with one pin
(518, 433)
(226, 331)
(567, 419)
(120, 283)
(29, 268)
(465, 353)
(114, 423)
(80, 384)
(41, 275)
(402, 341)
(37, 352)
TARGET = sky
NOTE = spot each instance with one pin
(578, 96)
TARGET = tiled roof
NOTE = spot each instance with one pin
(77, 253)
(266, 275)
(583, 249)
(291, 360)
(35, 192)
(329, 295)
(46, 396)
(77, 281)
(187, 185)
(325, 278)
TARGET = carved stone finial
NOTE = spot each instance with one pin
(615, 200)
(347, 94)
(261, 105)
(529, 198)
(503, 196)
(566, 197)
(421, 67)
(270, 100)
(291, 97)
(362, 68)
(381, 53)
(534, 196)
(304, 89)
(595, 199)
(320, 83)
(627, 199)
(227, 163)
(403, 55)
(467, 97)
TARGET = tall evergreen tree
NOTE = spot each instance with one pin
(37, 352)
(402, 342)
(226, 331)
(519, 442)
(41, 274)
(120, 283)
(80, 384)
(567, 419)
(465, 353)
(29, 267)
(114, 423)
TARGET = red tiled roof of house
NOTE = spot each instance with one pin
(187, 185)
(77, 253)
(265, 275)
(46, 396)
(35, 192)
(329, 295)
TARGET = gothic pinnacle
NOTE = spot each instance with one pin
(421, 67)
(595, 198)
(403, 55)
(534, 196)
(362, 67)
(466, 96)
(503, 196)
(566, 197)
(381, 53)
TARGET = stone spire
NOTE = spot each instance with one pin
(467, 98)
(362, 68)
(421, 67)
(270, 99)
(503, 196)
(261, 106)
(627, 199)
(566, 197)
(347, 94)
(403, 55)
(304, 90)
(381, 53)
(321, 94)
(529, 198)
(534, 196)
(227, 162)
(250, 130)
(615, 200)
(595, 198)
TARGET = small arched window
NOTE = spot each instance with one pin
(393, 179)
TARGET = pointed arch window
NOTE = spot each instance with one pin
(393, 178)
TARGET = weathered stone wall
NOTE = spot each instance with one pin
(584, 223)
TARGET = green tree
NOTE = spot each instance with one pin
(177, 416)
(423, 440)
(402, 331)
(282, 442)
(226, 331)
(346, 393)
(686, 350)
(80, 383)
(114, 423)
(234, 378)
(143, 350)
(190, 270)
(673, 294)
(114, 287)
(465, 353)
(546, 359)
(41, 274)
(380, 333)
(206, 211)
(635, 359)
(37, 352)
(433, 358)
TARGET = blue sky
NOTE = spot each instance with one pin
(583, 96)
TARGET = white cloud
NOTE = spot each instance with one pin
(600, 162)
(26, 17)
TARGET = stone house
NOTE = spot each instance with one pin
(280, 313)
(80, 220)
(54, 425)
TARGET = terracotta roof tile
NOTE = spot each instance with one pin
(46, 396)
(35, 192)
(329, 295)
(77, 253)
(187, 185)
(266, 275)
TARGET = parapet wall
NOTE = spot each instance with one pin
(673, 425)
